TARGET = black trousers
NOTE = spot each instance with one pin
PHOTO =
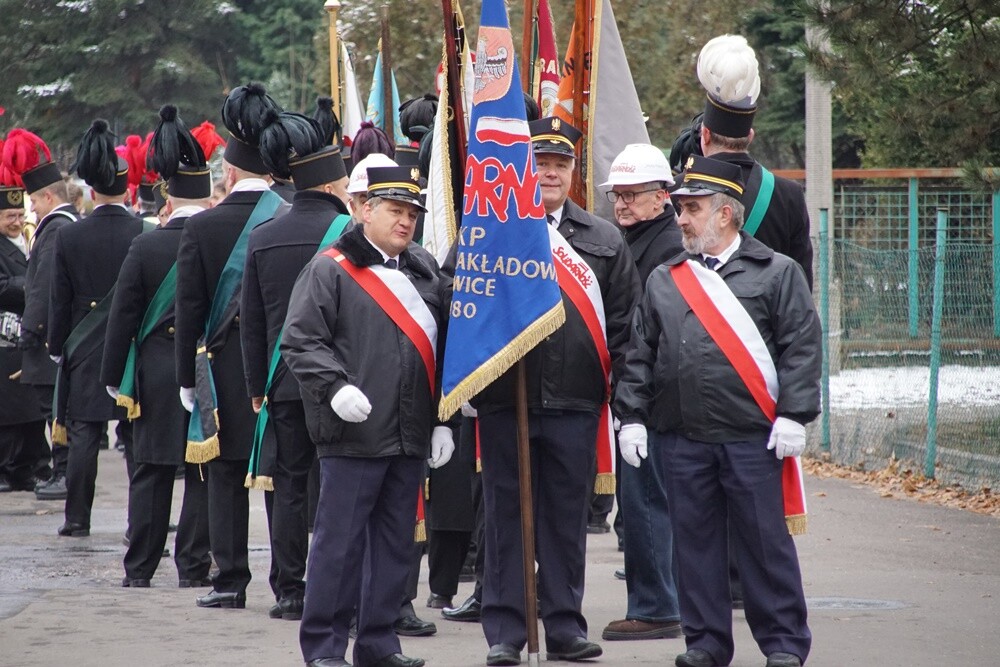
(369, 501)
(228, 523)
(191, 545)
(715, 488)
(81, 468)
(446, 550)
(58, 454)
(150, 493)
(289, 534)
(21, 448)
(562, 453)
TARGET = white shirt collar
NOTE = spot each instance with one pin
(250, 185)
(185, 211)
(385, 257)
(557, 216)
(118, 204)
(724, 256)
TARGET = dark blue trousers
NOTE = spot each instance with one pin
(562, 452)
(707, 485)
(229, 523)
(649, 541)
(370, 502)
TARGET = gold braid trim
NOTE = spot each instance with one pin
(604, 485)
(797, 524)
(262, 483)
(130, 405)
(203, 452)
(420, 532)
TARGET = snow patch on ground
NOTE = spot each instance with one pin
(910, 387)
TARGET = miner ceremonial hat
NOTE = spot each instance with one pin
(554, 135)
(98, 164)
(705, 176)
(727, 69)
(324, 166)
(359, 176)
(639, 163)
(26, 154)
(243, 115)
(178, 157)
(399, 183)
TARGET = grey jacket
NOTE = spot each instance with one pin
(336, 334)
(677, 379)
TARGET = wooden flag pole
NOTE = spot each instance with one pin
(388, 111)
(454, 101)
(332, 7)
(527, 40)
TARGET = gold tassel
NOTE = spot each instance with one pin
(796, 524)
(479, 464)
(604, 485)
(427, 489)
(131, 406)
(263, 483)
(420, 532)
(59, 435)
(203, 452)
(248, 482)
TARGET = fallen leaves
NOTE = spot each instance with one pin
(895, 481)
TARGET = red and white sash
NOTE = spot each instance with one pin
(397, 296)
(731, 327)
(578, 282)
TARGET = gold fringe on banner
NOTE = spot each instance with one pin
(420, 532)
(59, 435)
(248, 482)
(479, 464)
(203, 452)
(604, 485)
(498, 364)
(427, 489)
(797, 524)
(130, 405)
(263, 483)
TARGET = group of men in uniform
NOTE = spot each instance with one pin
(250, 338)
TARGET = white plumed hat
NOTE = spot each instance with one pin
(727, 69)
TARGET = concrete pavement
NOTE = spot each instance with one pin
(889, 583)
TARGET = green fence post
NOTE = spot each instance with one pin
(824, 319)
(913, 265)
(938, 303)
(996, 263)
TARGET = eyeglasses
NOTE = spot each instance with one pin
(627, 197)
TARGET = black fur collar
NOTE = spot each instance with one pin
(361, 252)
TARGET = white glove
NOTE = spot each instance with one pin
(112, 392)
(442, 446)
(469, 411)
(56, 360)
(788, 438)
(632, 443)
(351, 404)
(187, 398)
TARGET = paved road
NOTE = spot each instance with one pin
(890, 583)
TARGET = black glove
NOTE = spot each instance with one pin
(28, 341)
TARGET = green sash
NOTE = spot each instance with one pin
(83, 333)
(162, 301)
(259, 450)
(203, 428)
(762, 202)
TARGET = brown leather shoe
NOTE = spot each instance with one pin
(627, 629)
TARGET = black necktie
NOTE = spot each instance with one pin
(550, 218)
(712, 263)
(391, 263)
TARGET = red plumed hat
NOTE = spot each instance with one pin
(22, 152)
(208, 139)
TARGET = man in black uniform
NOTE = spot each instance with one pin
(50, 203)
(276, 253)
(567, 392)
(139, 371)
(726, 132)
(209, 272)
(360, 338)
(88, 257)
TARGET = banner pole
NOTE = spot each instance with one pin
(332, 7)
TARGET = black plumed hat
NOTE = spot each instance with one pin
(98, 164)
(287, 135)
(328, 123)
(178, 157)
(243, 114)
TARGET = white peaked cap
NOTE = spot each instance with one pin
(359, 175)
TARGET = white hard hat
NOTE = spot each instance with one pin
(639, 163)
(359, 175)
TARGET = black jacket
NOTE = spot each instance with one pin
(88, 256)
(564, 371)
(677, 379)
(277, 252)
(160, 432)
(206, 244)
(37, 368)
(336, 334)
(18, 403)
(652, 242)
(785, 227)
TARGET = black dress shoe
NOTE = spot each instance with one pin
(436, 601)
(24, 484)
(135, 583)
(780, 659)
(328, 662)
(574, 651)
(287, 609)
(503, 654)
(399, 660)
(224, 599)
(695, 657)
(5, 485)
(71, 529)
(411, 626)
(598, 528)
(469, 611)
(194, 583)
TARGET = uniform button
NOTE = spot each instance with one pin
(170, 330)
(237, 319)
(41, 326)
(93, 304)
